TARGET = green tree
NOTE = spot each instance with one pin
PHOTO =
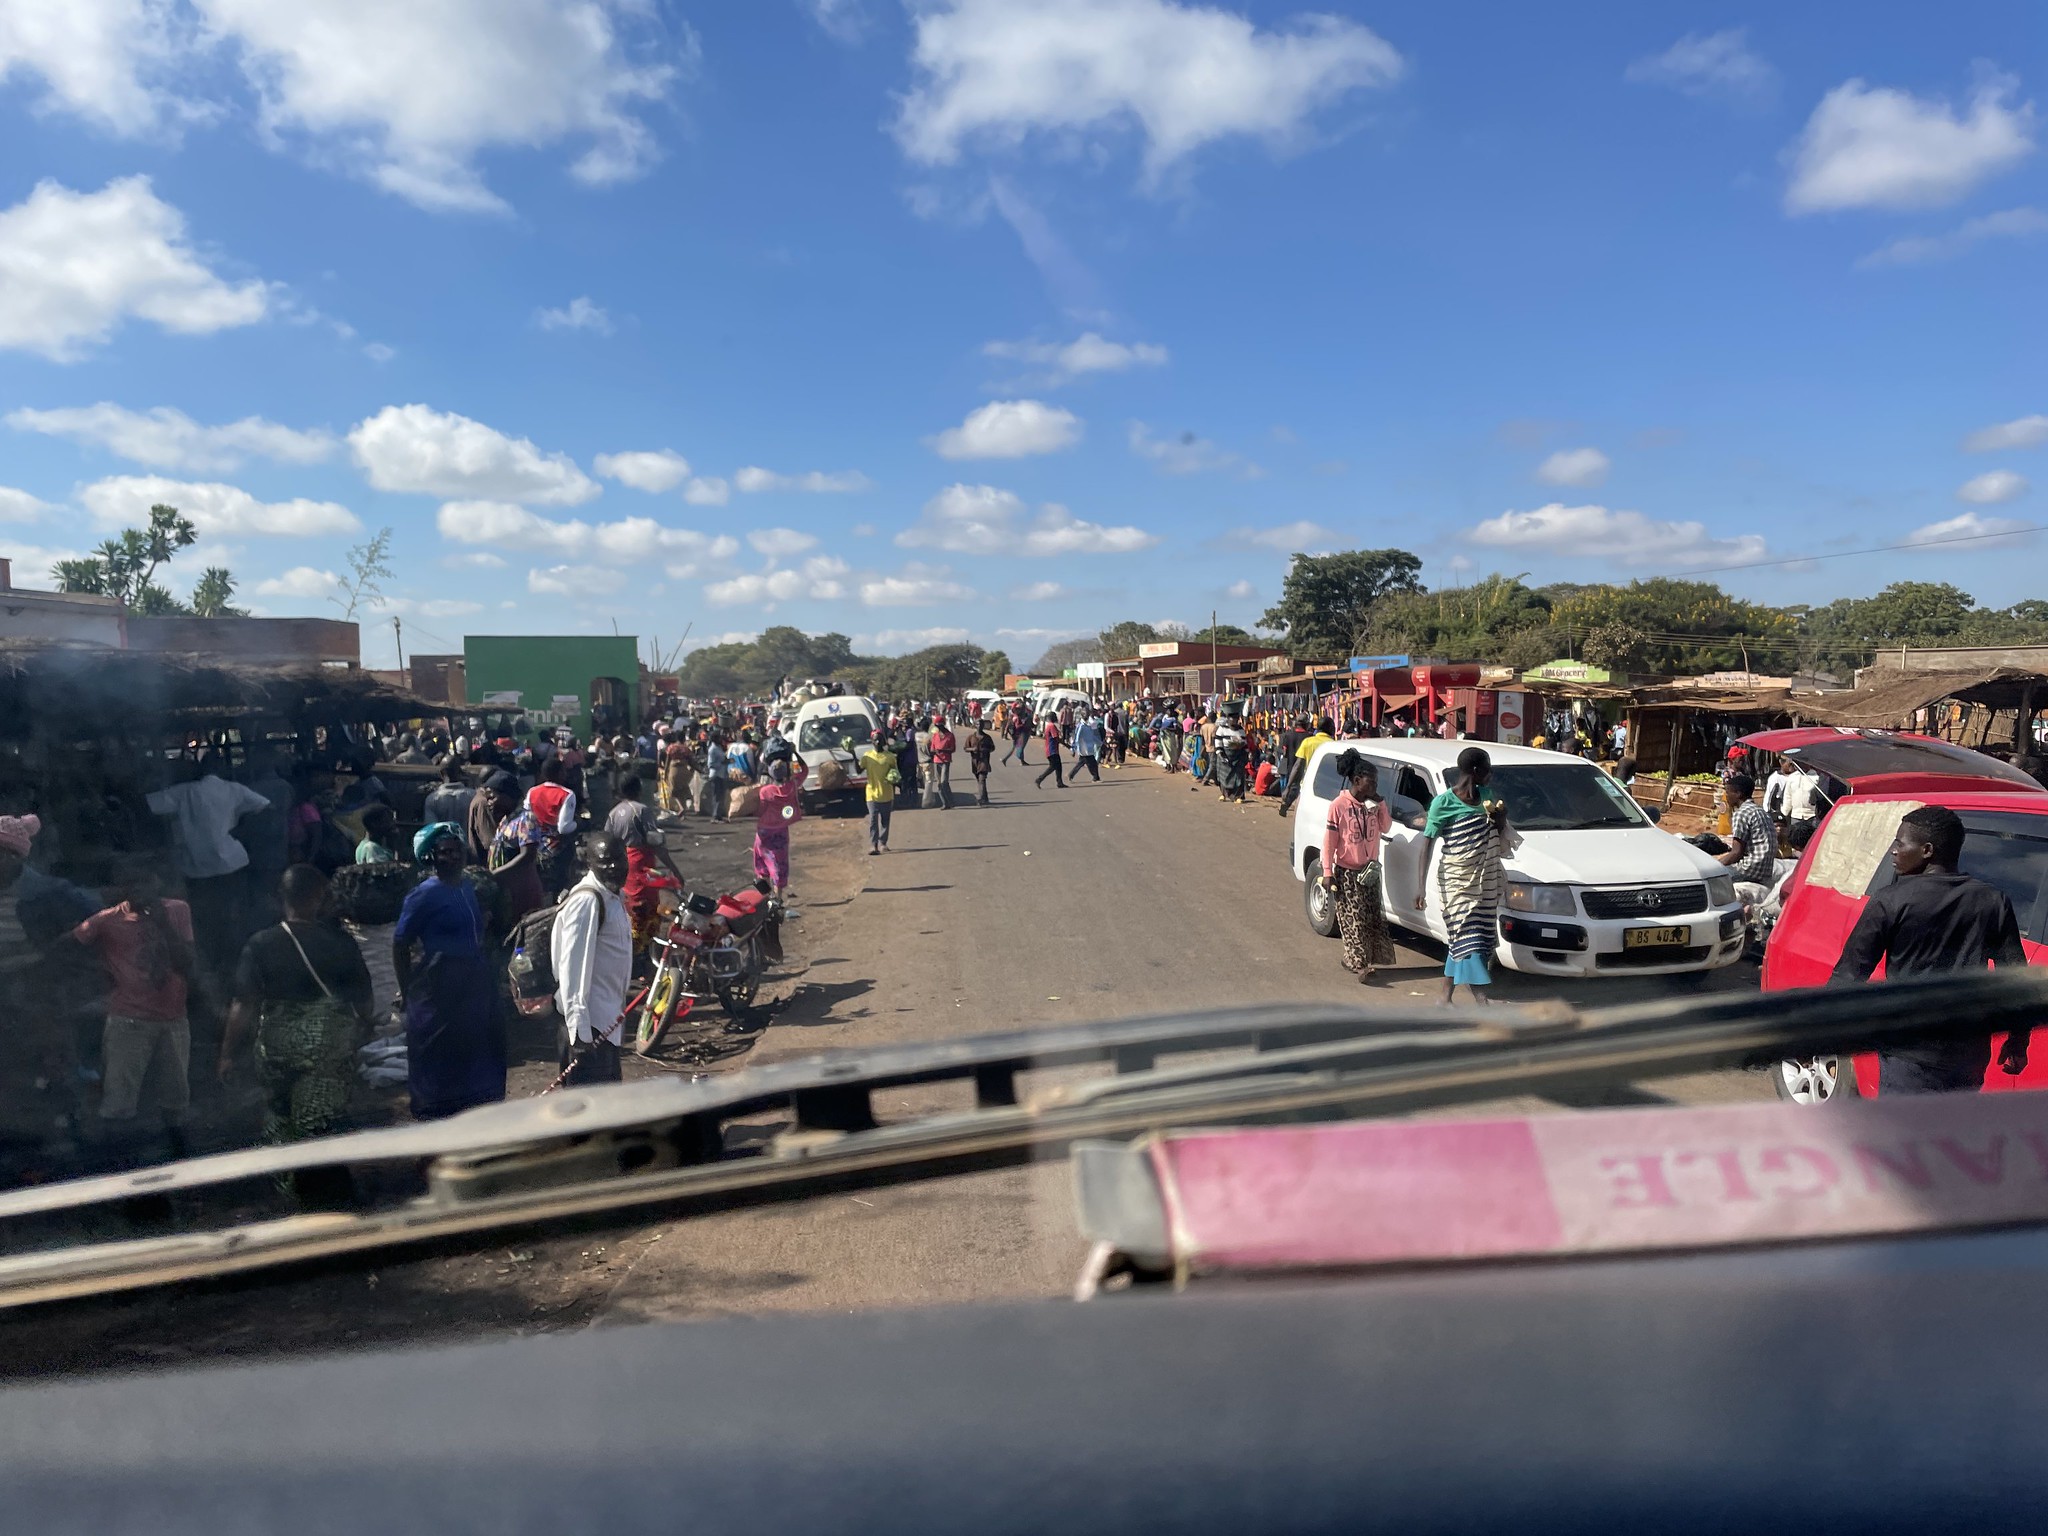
(1120, 642)
(1479, 622)
(369, 567)
(1327, 601)
(1062, 654)
(213, 593)
(1686, 626)
(125, 566)
(1223, 634)
(995, 666)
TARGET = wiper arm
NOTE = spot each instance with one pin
(664, 1144)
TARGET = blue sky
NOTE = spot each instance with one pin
(1005, 319)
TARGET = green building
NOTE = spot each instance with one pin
(556, 679)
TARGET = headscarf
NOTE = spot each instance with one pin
(17, 832)
(423, 841)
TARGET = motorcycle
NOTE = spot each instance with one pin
(707, 946)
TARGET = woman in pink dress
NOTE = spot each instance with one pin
(781, 804)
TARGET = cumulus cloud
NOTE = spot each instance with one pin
(1714, 64)
(1876, 147)
(1088, 353)
(820, 579)
(18, 506)
(1993, 488)
(217, 511)
(781, 543)
(629, 541)
(1240, 591)
(165, 438)
(438, 453)
(579, 314)
(1968, 528)
(997, 72)
(1038, 592)
(913, 586)
(983, 520)
(897, 642)
(2024, 432)
(1289, 538)
(754, 480)
(654, 472)
(1583, 468)
(475, 560)
(75, 265)
(1187, 454)
(1009, 429)
(707, 491)
(578, 581)
(301, 581)
(101, 60)
(1625, 538)
(1919, 250)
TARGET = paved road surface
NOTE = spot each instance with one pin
(1135, 895)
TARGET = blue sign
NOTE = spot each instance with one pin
(1374, 663)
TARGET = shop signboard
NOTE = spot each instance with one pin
(1568, 671)
(1092, 671)
(1511, 718)
(1160, 648)
(1374, 663)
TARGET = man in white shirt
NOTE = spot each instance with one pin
(204, 811)
(1793, 796)
(592, 950)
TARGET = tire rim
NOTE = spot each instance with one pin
(1811, 1080)
(1318, 900)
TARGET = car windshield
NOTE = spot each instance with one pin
(824, 732)
(1564, 797)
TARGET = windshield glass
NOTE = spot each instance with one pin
(845, 732)
(1567, 797)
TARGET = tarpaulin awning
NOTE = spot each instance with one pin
(1398, 698)
(1893, 702)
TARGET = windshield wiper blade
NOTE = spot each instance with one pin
(664, 1144)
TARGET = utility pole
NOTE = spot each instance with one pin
(1215, 674)
(398, 638)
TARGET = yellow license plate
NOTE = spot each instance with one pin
(1655, 938)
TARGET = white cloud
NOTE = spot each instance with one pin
(819, 578)
(753, 480)
(1038, 592)
(99, 59)
(841, 20)
(1967, 527)
(1182, 76)
(897, 642)
(1580, 467)
(862, 530)
(1187, 454)
(580, 314)
(34, 564)
(378, 352)
(1876, 147)
(2025, 432)
(915, 584)
(1993, 488)
(74, 265)
(1625, 538)
(217, 511)
(1717, 64)
(1289, 538)
(641, 541)
(303, 581)
(20, 507)
(654, 472)
(780, 543)
(707, 491)
(1239, 591)
(1087, 353)
(983, 520)
(1918, 250)
(1009, 429)
(435, 453)
(578, 581)
(165, 438)
(476, 560)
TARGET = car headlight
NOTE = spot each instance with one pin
(1720, 890)
(1528, 896)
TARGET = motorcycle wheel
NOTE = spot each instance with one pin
(664, 995)
(739, 996)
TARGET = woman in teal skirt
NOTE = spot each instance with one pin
(1470, 822)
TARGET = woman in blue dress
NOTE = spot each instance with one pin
(454, 1047)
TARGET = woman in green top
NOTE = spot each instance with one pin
(1471, 822)
(380, 827)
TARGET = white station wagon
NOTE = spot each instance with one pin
(1595, 887)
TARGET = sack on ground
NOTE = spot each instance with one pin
(745, 800)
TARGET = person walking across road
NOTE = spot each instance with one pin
(146, 945)
(1297, 770)
(454, 1043)
(592, 951)
(943, 746)
(1020, 734)
(1088, 747)
(782, 805)
(717, 783)
(1358, 819)
(981, 749)
(1934, 919)
(1052, 755)
(878, 763)
(1470, 821)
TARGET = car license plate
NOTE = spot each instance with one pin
(1655, 938)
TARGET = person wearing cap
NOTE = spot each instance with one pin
(498, 799)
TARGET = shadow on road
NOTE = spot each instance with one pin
(816, 1002)
(899, 890)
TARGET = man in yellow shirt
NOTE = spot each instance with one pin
(1320, 736)
(879, 764)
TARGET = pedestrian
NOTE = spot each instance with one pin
(1470, 821)
(1088, 746)
(1170, 739)
(717, 779)
(1117, 730)
(1052, 755)
(1208, 734)
(782, 806)
(1752, 854)
(1358, 819)
(1792, 796)
(879, 764)
(380, 836)
(145, 942)
(209, 858)
(927, 773)
(981, 749)
(1932, 920)
(449, 800)
(454, 1044)
(1306, 750)
(498, 799)
(675, 776)
(303, 992)
(637, 826)
(943, 746)
(1020, 733)
(592, 950)
(1232, 754)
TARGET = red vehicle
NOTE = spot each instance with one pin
(1878, 776)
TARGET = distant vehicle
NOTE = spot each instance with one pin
(1595, 889)
(835, 729)
(1045, 700)
(1888, 773)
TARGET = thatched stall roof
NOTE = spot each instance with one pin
(1892, 703)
